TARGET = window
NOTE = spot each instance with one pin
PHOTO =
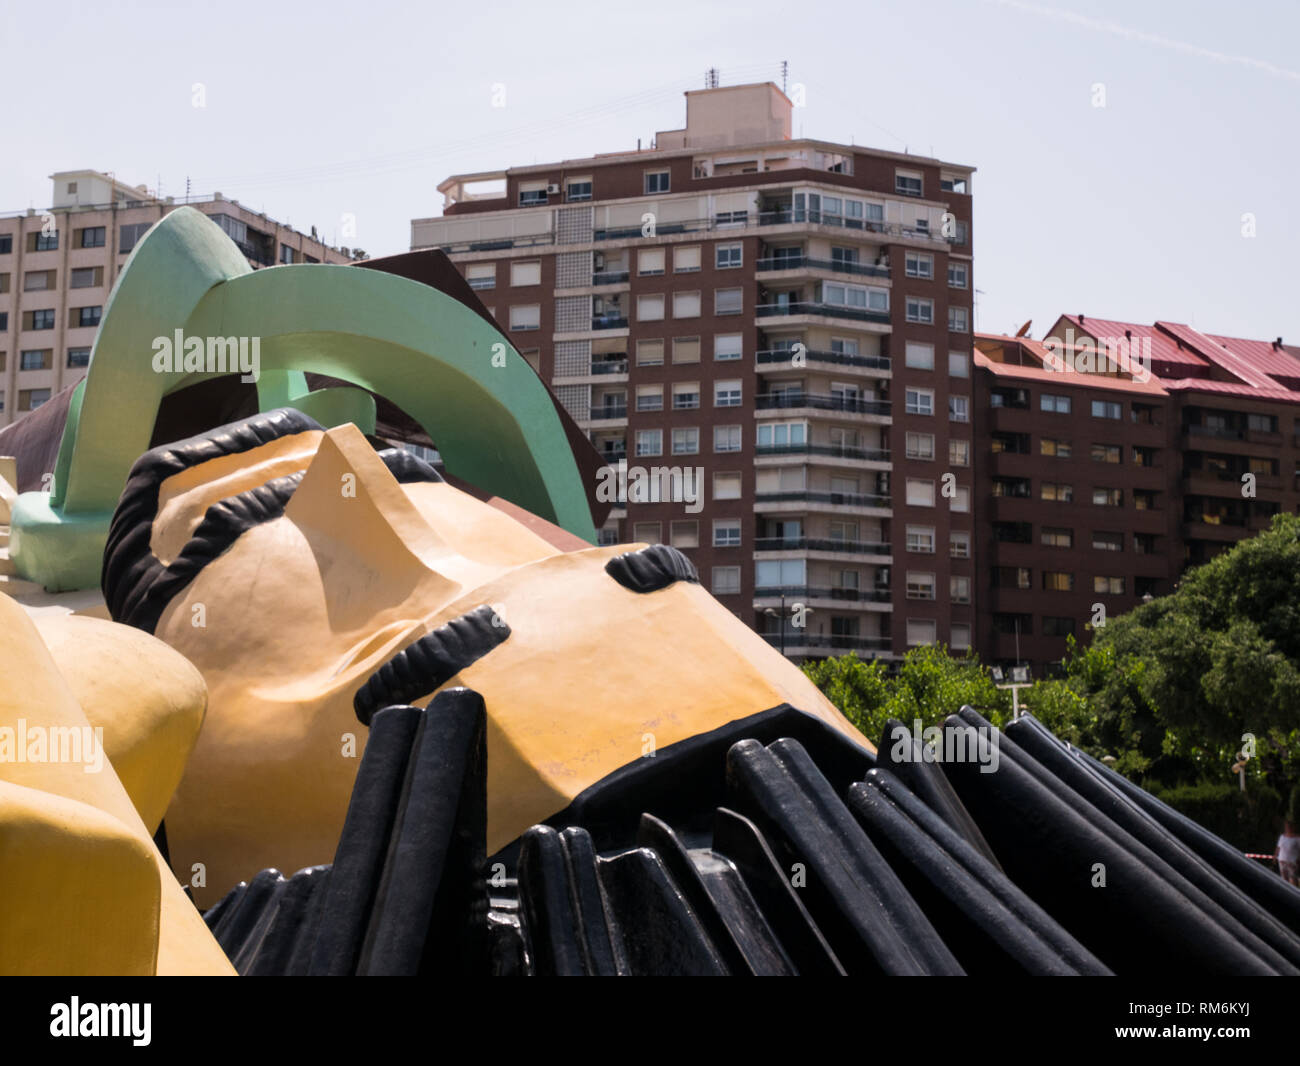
(649, 397)
(44, 319)
(918, 265)
(958, 364)
(780, 573)
(532, 194)
(90, 237)
(1145, 414)
(1108, 586)
(526, 273)
(650, 261)
(920, 493)
(959, 589)
(656, 181)
(1013, 577)
(86, 277)
(286, 254)
(6, 244)
(1105, 409)
(686, 441)
(960, 636)
(686, 305)
(129, 235)
(1108, 497)
(481, 275)
(686, 395)
(1054, 626)
(920, 586)
(650, 308)
(958, 275)
(1014, 398)
(576, 191)
(920, 539)
(960, 499)
(525, 316)
(684, 534)
(1145, 499)
(918, 356)
(686, 349)
(782, 434)
(1052, 490)
(1145, 543)
(646, 533)
(726, 533)
(920, 445)
(959, 453)
(726, 580)
(959, 319)
(649, 442)
(726, 438)
(1057, 449)
(1106, 453)
(728, 301)
(38, 280)
(919, 401)
(857, 297)
(686, 259)
(1012, 487)
(1144, 456)
(726, 394)
(44, 242)
(87, 316)
(1055, 537)
(959, 545)
(921, 631)
(920, 310)
(726, 486)
(34, 359)
(727, 346)
(1058, 581)
(727, 256)
(959, 408)
(1108, 542)
(650, 353)
(30, 399)
(907, 183)
(1058, 404)
(1261, 423)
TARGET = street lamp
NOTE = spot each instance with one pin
(772, 613)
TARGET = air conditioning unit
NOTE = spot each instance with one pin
(552, 190)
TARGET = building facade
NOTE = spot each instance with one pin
(57, 268)
(790, 319)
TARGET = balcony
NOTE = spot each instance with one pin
(834, 645)
(787, 215)
(1214, 527)
(820, 310)
(818, 544)
(803, 593)
(610, 320)
(614, 456)
(1217, 432)
(607, 411)
(609, 366)
(789, 400)
(609, 277)
(833, 451)
(838, 266)
(780, 358)
(807, 498)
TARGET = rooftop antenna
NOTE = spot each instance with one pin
(785, 69)
(711, 78)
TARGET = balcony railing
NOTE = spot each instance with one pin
(833, 450)
(779, 401)
(1215, 520)
(819, 544)
(838, 499)
(609, 366)
(1222, 432)
(786, 215)
(608, 410)
(807, 307)
(609, 321)
(612, 457)
(811, 592)
(839, 266)
(609, 277)
(832, 643)
(821, 355)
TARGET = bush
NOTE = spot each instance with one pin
(1249, 823)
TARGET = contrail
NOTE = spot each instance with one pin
(1114, 28)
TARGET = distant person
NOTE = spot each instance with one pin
(1288, 854)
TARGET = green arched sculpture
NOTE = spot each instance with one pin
(494, 422)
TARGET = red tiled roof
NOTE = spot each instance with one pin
(1066, 377)
(1164, 349)
(1231, 388)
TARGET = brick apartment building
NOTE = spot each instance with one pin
(791, 316)
(58, 267)
(1096, 489)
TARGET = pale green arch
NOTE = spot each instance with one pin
(453, 372)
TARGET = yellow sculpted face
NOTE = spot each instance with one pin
(289, 565)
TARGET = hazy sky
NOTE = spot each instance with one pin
(1132, 210)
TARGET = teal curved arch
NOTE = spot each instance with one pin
(453, 372)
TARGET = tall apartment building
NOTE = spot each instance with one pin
(791, 316)
(1113, 455)
(57, 268)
